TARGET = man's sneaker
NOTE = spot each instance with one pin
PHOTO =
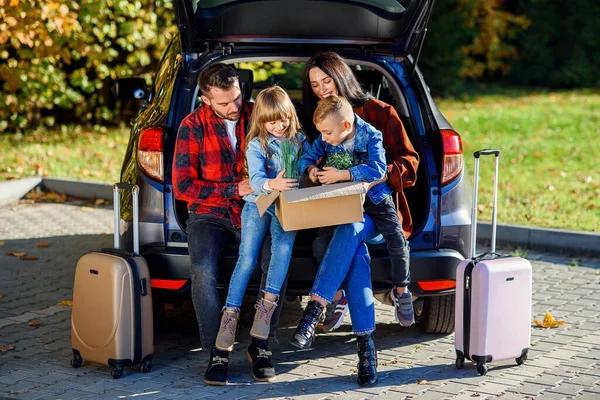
(335, 313)
(260, 357)
(216, 372)
(405, 314)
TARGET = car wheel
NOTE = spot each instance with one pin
(435, 314)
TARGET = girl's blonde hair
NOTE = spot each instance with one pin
(272, 104)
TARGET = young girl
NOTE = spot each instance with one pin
(273, 122)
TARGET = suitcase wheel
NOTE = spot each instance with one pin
(145, 367)
(117, 372)
(522, 359)
(460, 362)
(76, 361)
(482, 369)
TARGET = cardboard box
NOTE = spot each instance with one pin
(316, 206)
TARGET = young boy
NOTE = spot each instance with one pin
(343, 131)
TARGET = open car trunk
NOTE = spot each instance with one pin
(396, 26)
(374, 81)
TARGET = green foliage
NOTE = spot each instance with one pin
(289, 159)
(562, 46)
(60, 57)
(469, 39)
(287, 75)
(341, 160)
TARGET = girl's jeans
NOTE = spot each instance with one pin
(254, 230)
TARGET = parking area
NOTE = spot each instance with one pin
(36, 349)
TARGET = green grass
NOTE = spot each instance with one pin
(549, 142)
(550, 153)
(91, 153)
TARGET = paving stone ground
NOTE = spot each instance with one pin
(563, 362)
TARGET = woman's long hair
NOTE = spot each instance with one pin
(272, 104)
(345, 81)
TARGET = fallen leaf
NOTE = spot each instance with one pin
(86, 209)
(66, 303)
(548, 322)
(1, 295)
(29, 258)
(16, 254)
(303, 389)
(42, 244)
(2, 244)
(475, 394)
(422, 382)
(4, 349)
(99, 202)
(33, 323)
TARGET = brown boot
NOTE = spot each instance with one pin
(262, 319)
(226, 336)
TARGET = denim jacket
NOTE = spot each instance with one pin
(368, 149)
(262, 167)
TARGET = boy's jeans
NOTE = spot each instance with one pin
(254, 230)
(385, 218)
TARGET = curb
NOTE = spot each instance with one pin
(576, 243)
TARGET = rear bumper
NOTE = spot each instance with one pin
(431, 265)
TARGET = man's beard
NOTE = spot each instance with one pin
(227, 117)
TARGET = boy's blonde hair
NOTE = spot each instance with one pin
(333, 105)
(272, 104)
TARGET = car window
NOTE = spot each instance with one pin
(289, 76)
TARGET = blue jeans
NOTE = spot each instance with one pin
(347, 264)
(254, 230)
(357, 285)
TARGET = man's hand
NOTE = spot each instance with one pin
(333, 175)
(282, 184)
(244, 187)
(312, 174)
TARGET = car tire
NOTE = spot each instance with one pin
(435, 314)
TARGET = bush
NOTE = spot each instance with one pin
(561, 49)
(469, 39)
(60, 57)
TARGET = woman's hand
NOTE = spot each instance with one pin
(282, 184)
(333, 175)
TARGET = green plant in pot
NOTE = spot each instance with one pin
(289, 159)
(341, 160)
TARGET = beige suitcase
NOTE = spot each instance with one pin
(111, 323)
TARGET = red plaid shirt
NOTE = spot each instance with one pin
(206, 170)
(402, 159)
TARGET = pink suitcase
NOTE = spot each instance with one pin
(493, 298)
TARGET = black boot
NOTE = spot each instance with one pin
(260, 357)
(305, 332)
(216, 372)
(367, 360)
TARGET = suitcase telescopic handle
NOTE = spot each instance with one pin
(477, 154)
(117, 187)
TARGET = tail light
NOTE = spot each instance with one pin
(435, 286)
(150, 152)
(453, 159)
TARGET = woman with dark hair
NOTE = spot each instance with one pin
(326, 74)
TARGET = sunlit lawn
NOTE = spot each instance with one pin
(90, 153)
(549, 165)
(550, 154)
